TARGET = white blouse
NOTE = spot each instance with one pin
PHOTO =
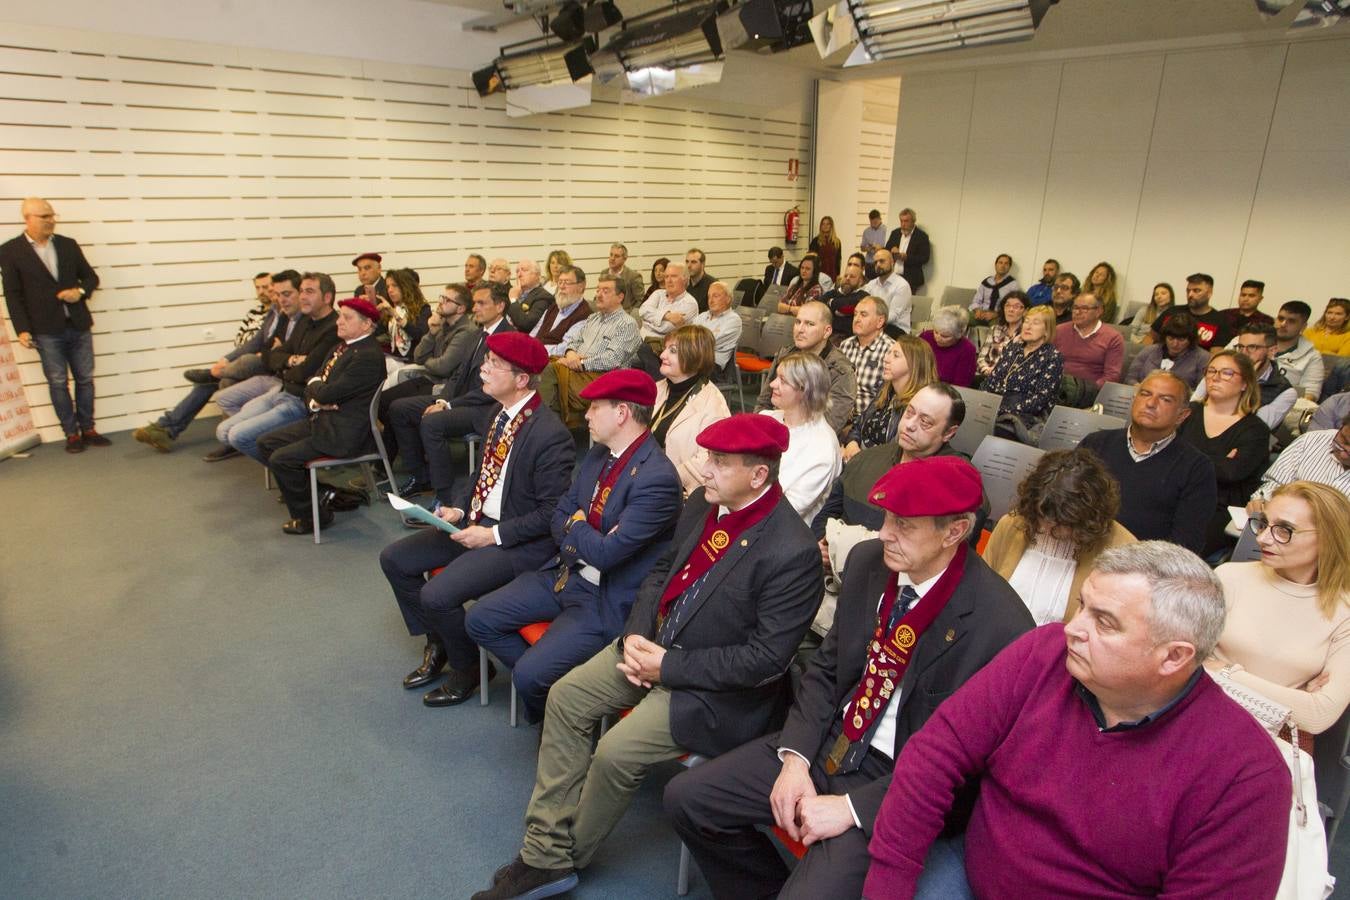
(810, 465)
(1043, 577)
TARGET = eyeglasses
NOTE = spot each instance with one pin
(1248, 348)
(1079, 308)
(1222, 374)
(1280, 532)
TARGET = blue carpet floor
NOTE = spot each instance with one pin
(193, 704)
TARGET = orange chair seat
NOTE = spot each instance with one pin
(434, 572)
(984, 541)
(749, 362)
(532, 633)
(796, 848)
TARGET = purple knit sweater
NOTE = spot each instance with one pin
(1193, 805)
(955, 364)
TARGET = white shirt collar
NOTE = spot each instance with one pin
(923, 587)
(1096, 329)
(514, 409)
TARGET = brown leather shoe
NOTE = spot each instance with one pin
(521, 880)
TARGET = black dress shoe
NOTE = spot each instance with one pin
(220, 453)
(433, 663)
(74, 444)
(306, 525)
(411, 487)
(520, 880)
(92, 438)
(459, 686)
(200, 376)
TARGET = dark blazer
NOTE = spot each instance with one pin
(30, 290)
(789, 272)
(527, 309)
(916, 257)
(354, 379)
(726, 667)
(538, 472)
(315, 343)
(635, 528)
(467, 389)
(982, 617)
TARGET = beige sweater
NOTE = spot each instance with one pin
(1279, 640)
(699, 411)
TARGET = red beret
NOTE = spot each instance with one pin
(375, 256)
(630, 385)
(520, 350)
(932, 486)
(363, 306)
(753, 433)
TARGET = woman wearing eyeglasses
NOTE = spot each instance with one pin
(1224, 427)
(1287, 634)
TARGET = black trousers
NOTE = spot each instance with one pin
(436, 607)
(285, 451)
(716, 805)
(413, 387)
(425, 439)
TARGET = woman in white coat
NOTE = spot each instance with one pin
(800, 393)
(687, 401)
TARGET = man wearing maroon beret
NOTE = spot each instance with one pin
(503, 516)
(702, 664)
(919, 613)
(370, 278)
(611, 526)
(338, 399)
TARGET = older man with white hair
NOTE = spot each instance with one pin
(667, 309)
(1103, 745)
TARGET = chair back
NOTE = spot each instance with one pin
(981, 410)
(1122, 330)
(768, 301)
(1247, 550)
(1130, 310)
(957, 296)
(1067, 426)
(1116, 399)
(1003, 464)
(736, 297)
(751, 326)
(775, 335)
(375, 425)
(920, 313)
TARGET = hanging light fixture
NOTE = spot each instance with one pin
(889, 29)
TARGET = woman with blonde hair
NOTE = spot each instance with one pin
(800, 393)
(1047, 544)
(1162, 299)
(687, 401)
(826, 245)
(558, 260)
(908, 366)
(1331, 333)
(1027, 375)
(1224, 426)
(1287, 634)
(1101, 281)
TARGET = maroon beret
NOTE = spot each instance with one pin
(520, 350)
(375, 256)
(753, 433)
(630, 385)
(932, 486)
(363, 306)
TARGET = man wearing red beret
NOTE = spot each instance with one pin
(338, 399)
(611, 527)
(702, 664)
(918, 614)
(527, 465)
(370, 278)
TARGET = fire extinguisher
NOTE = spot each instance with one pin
(791, 221)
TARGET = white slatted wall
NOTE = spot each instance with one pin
(182, 169)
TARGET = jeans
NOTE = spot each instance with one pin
(232, 399)
(174, 421)
(944, 872)
(259, 416)
(74, 350)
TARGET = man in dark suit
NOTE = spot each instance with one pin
(532, 299)
(779, 270)
(47, 283)
(424, 431)
(338, 399)
(909, 244)
(918, 614)
(702, 664)
(612, 525)
(527, 463)
(370, 278)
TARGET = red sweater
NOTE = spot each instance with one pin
(1192, 805)
(1097, 359)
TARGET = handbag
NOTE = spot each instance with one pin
(840, 539)
(1305, 856)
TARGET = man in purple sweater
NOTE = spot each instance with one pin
(1094, 353)
(1110, 767)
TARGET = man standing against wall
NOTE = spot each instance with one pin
(47, 281)
(909, 244)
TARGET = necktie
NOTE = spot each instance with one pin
(903, 604)
(498, 426)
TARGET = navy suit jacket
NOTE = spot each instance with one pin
(726, 667)
(538, 472)
(635, 527)
(982, 617)
(30, 290)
